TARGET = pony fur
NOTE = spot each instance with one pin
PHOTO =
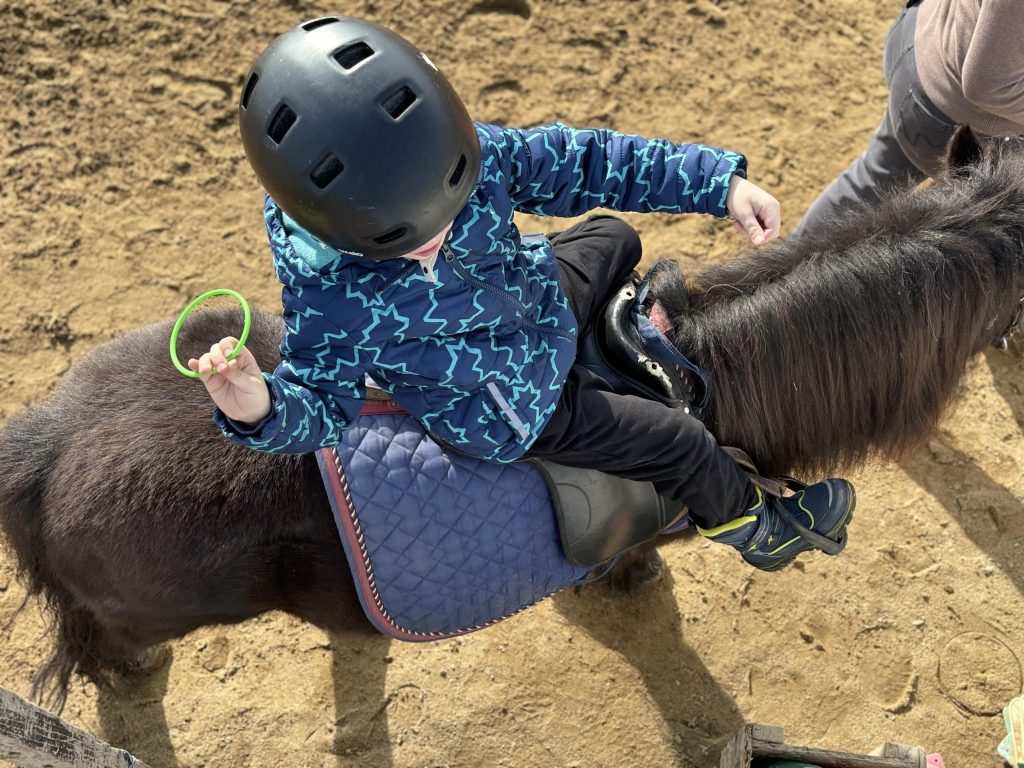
(136, 522)
(827, 349)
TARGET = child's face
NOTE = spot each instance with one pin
(430, 249)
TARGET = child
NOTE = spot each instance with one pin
(373, 169)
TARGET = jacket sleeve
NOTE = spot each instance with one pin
(554, 170)
(315, 392)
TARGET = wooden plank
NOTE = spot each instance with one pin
(914, 755)
(772, 734)
(827, 759)
(736, 754)
(31, 737)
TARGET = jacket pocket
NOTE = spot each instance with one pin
(923, 132)
(508, 414)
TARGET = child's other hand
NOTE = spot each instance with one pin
(237, 387)
(755, 213)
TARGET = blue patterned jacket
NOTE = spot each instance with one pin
(480, 355)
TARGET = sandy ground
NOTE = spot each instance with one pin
(124, 191)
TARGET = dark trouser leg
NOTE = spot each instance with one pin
(643, 440)
(908, 146)
(624, 435)
(595, 258)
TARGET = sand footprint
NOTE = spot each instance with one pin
(519, 8)
(885, 673)
(500, 100)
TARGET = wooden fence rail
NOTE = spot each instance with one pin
(31, 737)
(761, 744)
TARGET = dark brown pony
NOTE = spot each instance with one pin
(136, 522)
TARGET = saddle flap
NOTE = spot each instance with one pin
(600, 516)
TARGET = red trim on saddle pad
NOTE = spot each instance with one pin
(377, 407)
(363, 573)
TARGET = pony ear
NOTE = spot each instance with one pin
(963, 149)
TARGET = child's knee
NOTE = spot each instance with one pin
(626, 238)
(619, 228)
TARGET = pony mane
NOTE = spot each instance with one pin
(827, 348)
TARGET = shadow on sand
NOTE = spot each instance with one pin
(132, 715)
(358, 668)
(645, 628)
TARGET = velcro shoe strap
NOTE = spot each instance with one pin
(824, 543)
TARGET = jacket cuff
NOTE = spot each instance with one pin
(263, 430)
(729, 164)
(230, 427)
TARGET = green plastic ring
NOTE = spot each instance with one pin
(188, 311)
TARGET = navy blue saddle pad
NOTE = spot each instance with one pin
(439, 544)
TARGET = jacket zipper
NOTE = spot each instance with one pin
(406, 271)
(463, 273)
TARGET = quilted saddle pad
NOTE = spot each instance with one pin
(439, 544)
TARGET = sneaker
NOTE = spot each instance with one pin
(775, 530)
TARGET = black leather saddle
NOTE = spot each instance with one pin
(600, 515)
(614, 350)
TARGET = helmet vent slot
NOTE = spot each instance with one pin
(326, 171)
(281, 123)
(351, 55)
(460, 168)
(247, 93)
(389, 237)
(398, 101)
(309, 26)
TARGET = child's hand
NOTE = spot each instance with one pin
(237, 387)
(755, 213)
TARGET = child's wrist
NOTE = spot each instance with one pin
(260, 415)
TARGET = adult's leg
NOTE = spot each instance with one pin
(908, 145)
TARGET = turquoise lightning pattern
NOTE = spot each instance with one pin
(496, 314)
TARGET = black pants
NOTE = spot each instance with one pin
(620, 434)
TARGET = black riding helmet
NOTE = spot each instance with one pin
(358, 137)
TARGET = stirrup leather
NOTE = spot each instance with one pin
(777, 486)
